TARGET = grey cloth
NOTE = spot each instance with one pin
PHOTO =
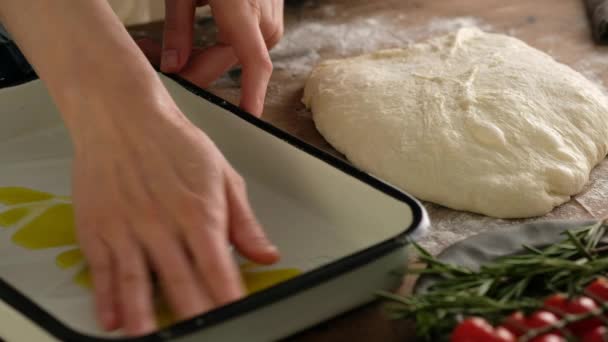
(598, 15)
(485, 247)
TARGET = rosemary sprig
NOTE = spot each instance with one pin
(517, 282)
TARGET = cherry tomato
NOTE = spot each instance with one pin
(548, 338)
(516, 323)
(599, 288)
(581, 305)
(472, 329)
(557, 303)
(503, 335)
(599, 334)
(476, 329)
(541, 319)
(560, 305)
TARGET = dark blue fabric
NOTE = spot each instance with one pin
(14, 68)
(4, 36)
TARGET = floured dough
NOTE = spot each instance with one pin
(472, 121)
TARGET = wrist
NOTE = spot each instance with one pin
(117, 113)
(112, 80)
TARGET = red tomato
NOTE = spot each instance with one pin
(503, 335)
(582, 305)
(476, 329)
(472, 329)
(560, 305)
(599, 288)
(548, 338)
(599, 334)
(541, 319)
(557, 303)
(516, 323)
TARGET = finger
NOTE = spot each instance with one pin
(257, 69)
(246, 233)
(273, 28)
(241, 29)
(177, 35)
(101, 269)
(204, 66)
(215, 262)
(134, 286)
(209, 64)
(151, 49)
(274, 39)
(177, 278)
(208, 244)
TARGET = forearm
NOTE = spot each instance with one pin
(85, 56)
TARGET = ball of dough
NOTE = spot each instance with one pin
(472, 121)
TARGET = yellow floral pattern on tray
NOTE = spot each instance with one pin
(44, 220)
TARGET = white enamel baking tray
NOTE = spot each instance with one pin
(345, 231)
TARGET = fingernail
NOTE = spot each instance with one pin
(169, 60)
(272, 249)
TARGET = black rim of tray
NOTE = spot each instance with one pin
(315, 277)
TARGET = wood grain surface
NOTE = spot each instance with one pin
(317, 30)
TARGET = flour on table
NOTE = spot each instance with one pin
(592, 65)
(472, 121)
(304, 44)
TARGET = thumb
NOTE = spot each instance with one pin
(177, 35)
(246, 233)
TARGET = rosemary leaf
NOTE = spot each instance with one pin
(518, 282)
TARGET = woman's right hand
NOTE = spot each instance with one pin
(158, 195)
(151, 191)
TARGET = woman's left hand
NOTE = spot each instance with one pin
(246, 30)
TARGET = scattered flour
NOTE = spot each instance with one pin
(305, 43)
(451, 226)
(443, 25)
(592, 66)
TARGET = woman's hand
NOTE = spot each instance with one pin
(247, 29)
(161, 196)
(151, 191)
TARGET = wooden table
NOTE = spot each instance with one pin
(318, 30)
